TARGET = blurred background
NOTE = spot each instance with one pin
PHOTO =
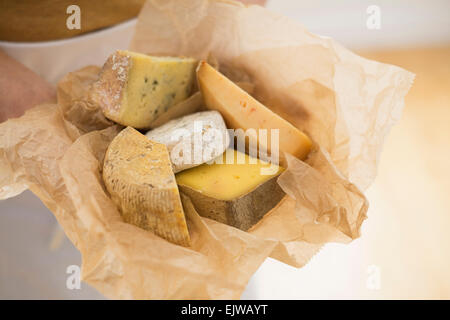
(404, 251)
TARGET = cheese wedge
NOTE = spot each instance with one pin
(192, 104)
(138, 175)
(242, 111)
(134, 89)
(193, 139)
(237, 194)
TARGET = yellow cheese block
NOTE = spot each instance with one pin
(242, 111)
(237, 194)
(138, 175)
(134, 89)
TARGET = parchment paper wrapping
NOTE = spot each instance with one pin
(345, 103)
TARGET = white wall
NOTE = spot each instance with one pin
(404, 23)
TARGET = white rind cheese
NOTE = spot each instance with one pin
(193, 139)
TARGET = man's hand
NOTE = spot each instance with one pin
(20, 88)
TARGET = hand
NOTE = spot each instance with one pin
(20, 88)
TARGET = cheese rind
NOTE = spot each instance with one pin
(242, 111)
(235, 194)
(134, 89)
(193, 139)
(138, 176)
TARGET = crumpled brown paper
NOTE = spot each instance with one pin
(345, 103)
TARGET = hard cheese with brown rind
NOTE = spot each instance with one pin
(237, 192)
(138, 175)
(242, 111)
(134, 89)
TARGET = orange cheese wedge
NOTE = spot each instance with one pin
(242, 111)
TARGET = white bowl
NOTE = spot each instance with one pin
(53, 59)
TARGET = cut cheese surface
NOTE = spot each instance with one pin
(138, 175)
(135, 89)
(227, 181)
(237, 194)
(242, 111)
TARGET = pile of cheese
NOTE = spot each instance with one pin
(187, 150)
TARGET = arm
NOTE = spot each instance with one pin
(20, 88)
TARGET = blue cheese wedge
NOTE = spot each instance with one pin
(193, 139)
(134, 89)
(138, 176)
